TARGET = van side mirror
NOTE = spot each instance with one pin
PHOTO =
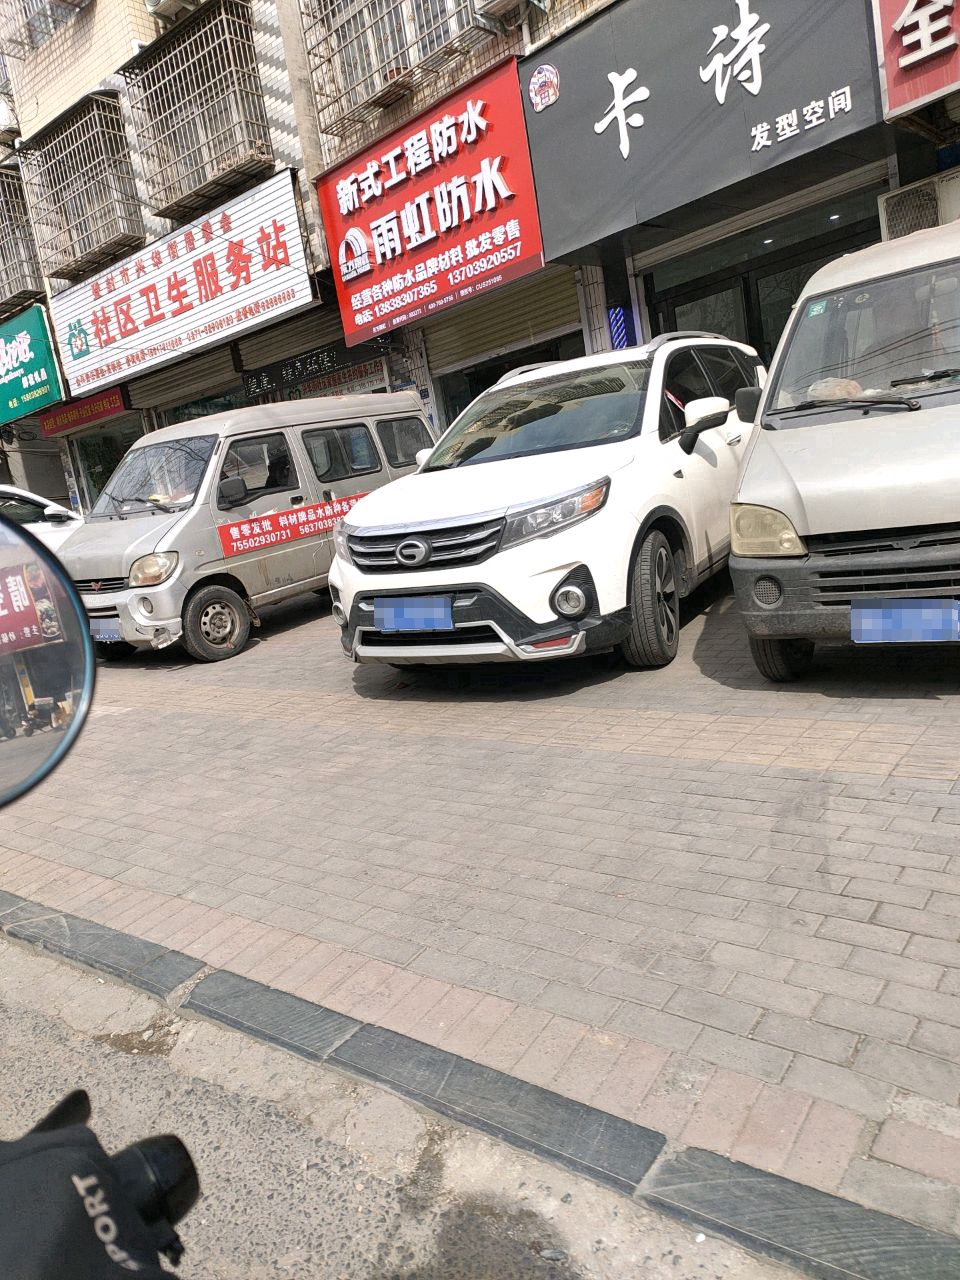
(422, 455)
(700, 416)
(748, 402)
(232, 492)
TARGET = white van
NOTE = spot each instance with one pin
(203, 523)
(569, 508)
(846, 522)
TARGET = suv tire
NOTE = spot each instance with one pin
(782, 660)
(216, 624)
(654, 605)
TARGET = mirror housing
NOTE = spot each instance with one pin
(748, 402)
(232, 492)
(701, 415)
(53, 515)
(422, 455)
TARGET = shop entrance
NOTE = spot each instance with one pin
(744, 287)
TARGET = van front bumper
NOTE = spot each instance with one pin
(147, 616)
(487, 628)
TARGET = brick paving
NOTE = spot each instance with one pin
(725, 910)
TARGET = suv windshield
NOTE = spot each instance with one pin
(894, 337)
(157, 477)
(568, 411)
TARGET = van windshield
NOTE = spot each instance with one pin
(568, 411)
(894, 337)
(160, 477)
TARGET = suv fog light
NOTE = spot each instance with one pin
(767, 591)
(570, 601)
(146, 604)
(339, 616)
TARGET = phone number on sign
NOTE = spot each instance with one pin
(261, 540)
(482, 265)
(406, 298)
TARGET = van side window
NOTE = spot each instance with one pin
(264, 462)
(339, 452)
(401, 439)
(725, 370)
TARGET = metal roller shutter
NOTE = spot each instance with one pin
(507, 319)
(309, 329)
(185, 380)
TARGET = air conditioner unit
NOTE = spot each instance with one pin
(921, 205)
(496, 8)
(9, 125)
(168, 9)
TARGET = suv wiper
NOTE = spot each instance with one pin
(937, 375)
(852, 402)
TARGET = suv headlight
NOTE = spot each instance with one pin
(151, 570)
(341, 546)
(762, 531)
(524, 523)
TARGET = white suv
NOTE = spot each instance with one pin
(567, 510)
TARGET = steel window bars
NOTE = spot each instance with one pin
(198, 110)
(20, 278)
(85, 204)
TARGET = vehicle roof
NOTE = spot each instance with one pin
(604, 359)
(291, 413)
(11, 489)
(889, 257)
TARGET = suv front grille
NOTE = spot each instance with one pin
(920, 563)
(99, 586)
(451, 546)
(423, 639)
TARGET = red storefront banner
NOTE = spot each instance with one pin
(918, 44)
(81, 413)
(257, 533)
(28, 615)
(436, 212)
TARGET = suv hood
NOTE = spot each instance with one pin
(487, 487)
(885, 471)
(107, 548)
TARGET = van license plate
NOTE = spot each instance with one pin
(906, 622)
(105, 629)
(414, 613)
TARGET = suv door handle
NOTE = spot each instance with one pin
(734, 439)
(298, 498)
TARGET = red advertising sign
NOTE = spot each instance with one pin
(81, 413)
(28, 615)
(260, 532)
(918, 43)
(436, 212)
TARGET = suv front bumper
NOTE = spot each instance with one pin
(487, 628)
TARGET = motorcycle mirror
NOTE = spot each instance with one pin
(46, 662)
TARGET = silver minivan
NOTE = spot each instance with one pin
(203, 523)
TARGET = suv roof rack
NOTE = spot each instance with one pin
(526, 368)
(662, 338)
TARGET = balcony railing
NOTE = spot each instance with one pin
(365, 56)
(198, 110)
(85, 205)
(20, 278)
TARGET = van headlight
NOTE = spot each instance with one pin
(340, 543)
(151, 570)
(762, 531)
(524, 523)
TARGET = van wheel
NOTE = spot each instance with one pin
(654, 605)
(216, 624)
(782, 660)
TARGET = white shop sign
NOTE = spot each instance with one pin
(242, 265)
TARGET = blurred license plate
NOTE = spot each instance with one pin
(105, 628)
(414, 613)
(906, 622)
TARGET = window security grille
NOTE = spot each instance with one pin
(20, 280)
(198, 110)
(365, 56)
(85, 204)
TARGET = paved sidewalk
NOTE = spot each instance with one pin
(726, 911)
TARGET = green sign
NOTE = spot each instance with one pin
(29, 375)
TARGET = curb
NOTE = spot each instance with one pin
(821, 1235)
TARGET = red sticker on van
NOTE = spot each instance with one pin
(259, 532)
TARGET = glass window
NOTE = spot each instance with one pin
(401, 439)
(725, 369)
(20, 510)
(264, 462)
(685, 379)
(671, 419)
(339, 452)
(164, 476)
(572, 410)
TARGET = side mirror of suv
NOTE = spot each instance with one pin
(53, 515)
(748, 402)
(422, 455)
(700, 416)
(232, 492)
